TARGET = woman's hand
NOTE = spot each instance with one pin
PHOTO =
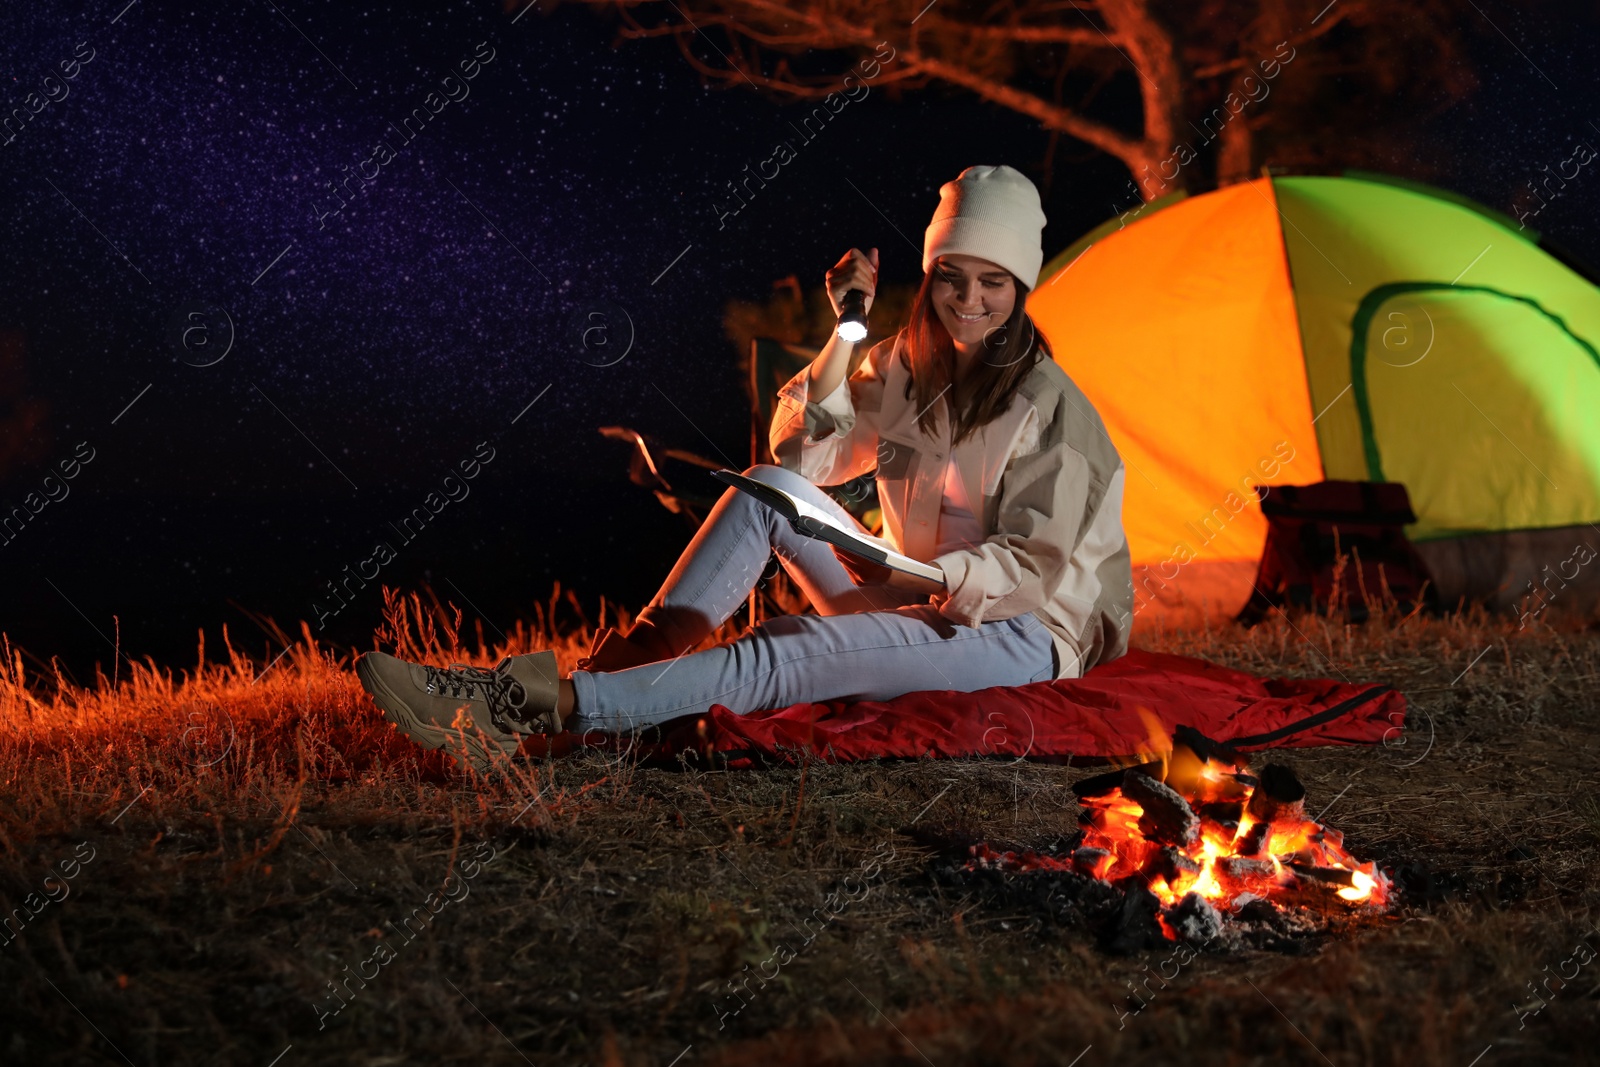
(839, 358)
(864, 571)
(912, 584)
(857, 270)
(867, 573)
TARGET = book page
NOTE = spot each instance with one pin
(813, 512)
(823, 525)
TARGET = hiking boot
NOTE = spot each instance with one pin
(486, 713)
(613, 652)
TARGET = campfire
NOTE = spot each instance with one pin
(1204, 836)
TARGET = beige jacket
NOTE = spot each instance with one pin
(1047, 473)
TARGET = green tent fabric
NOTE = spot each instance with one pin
(1470, 361)
(1354, 326)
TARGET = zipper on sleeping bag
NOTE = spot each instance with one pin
(1344, 707)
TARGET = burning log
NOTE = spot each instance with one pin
(1225, 813)
(1137, 924)
(1171, 865)
(1192, 836)
(1254, 838)
(1195, 919)
(1193, 767)
(1332, 875)
(1167, 817)
(1206, 749)
(1280, 797)
(1092, 861)
(1099, 785)
(1240, 869)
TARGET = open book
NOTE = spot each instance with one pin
(812, 521)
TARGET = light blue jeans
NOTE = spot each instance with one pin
(865, 643)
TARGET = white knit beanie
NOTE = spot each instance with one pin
(992, 213)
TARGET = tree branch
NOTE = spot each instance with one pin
(1053, 117)
(1133, 31)
(1341, 14)
(1148, 48)
(1031, 34)
(1151, 50)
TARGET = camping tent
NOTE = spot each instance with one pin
(1288, 330)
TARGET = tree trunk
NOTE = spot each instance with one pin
(1151, 51)
(1236, 141)
(1237, 152)
(1150, 176)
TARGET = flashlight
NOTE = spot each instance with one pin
(853, 316)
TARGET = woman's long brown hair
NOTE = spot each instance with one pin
(1010, 352)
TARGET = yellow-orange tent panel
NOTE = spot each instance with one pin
(1181, 328)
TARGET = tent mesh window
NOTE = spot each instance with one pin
(1337, 546)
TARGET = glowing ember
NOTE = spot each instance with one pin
(1194, 822)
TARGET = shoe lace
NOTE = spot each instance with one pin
(504, 695)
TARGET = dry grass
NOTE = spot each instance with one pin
(255, 831)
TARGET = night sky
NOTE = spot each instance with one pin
(176, 208)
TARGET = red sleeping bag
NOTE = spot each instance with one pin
(1122, 708)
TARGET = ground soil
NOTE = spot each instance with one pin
(208, 853)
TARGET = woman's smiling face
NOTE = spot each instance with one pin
(971, 296)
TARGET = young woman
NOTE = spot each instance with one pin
(990, 464)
